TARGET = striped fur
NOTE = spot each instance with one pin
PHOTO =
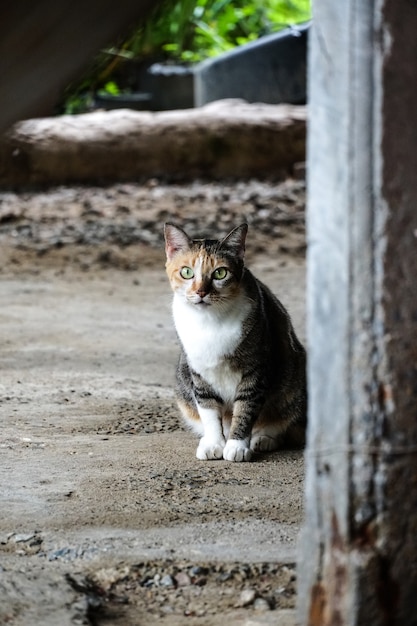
(241, 382)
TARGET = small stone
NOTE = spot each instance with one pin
(198, 570)
(23, 538)
(194, 609)
(54, 555)
(200, 613)
(261, 604)
(166, 581)
(182, 579)
(108, 576)
(247, 597)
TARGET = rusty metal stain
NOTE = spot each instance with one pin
(317, 606)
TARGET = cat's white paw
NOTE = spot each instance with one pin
(263, 443)
(237, 450)
(209, 450)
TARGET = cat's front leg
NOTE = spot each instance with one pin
(245, 412)
(212, 442)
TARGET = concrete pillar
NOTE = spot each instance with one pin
(358, 549)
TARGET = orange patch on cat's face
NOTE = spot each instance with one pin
(203, 265)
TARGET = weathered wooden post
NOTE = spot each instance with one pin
(358, 550)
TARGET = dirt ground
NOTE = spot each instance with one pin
(107, 517)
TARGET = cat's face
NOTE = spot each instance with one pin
(205, 273)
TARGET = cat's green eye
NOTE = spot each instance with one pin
(186, 272)
(220, 273)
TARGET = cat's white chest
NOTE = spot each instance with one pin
(208, 339)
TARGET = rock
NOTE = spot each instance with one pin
(247, 597)
(62, 553)
(182, 579)
(167, 581)
(261, 604)
(106, 577)
(23, 538)
(227, 138)
(198, 570)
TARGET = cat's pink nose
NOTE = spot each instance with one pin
(201, 293)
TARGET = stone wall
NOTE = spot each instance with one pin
(224, 139)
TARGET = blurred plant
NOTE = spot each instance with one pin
(220, 25)
(186, 31)
(193, 30)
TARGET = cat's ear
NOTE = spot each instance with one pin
(235, 240)
(176, 240)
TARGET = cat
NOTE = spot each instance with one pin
(241, 375)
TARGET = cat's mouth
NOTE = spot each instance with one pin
(202, 303)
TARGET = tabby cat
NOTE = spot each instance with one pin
(241, 376)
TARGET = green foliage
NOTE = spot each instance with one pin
(185, 31)
(193, 30)
(109, 88)
(80, 98)
(225, 24)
